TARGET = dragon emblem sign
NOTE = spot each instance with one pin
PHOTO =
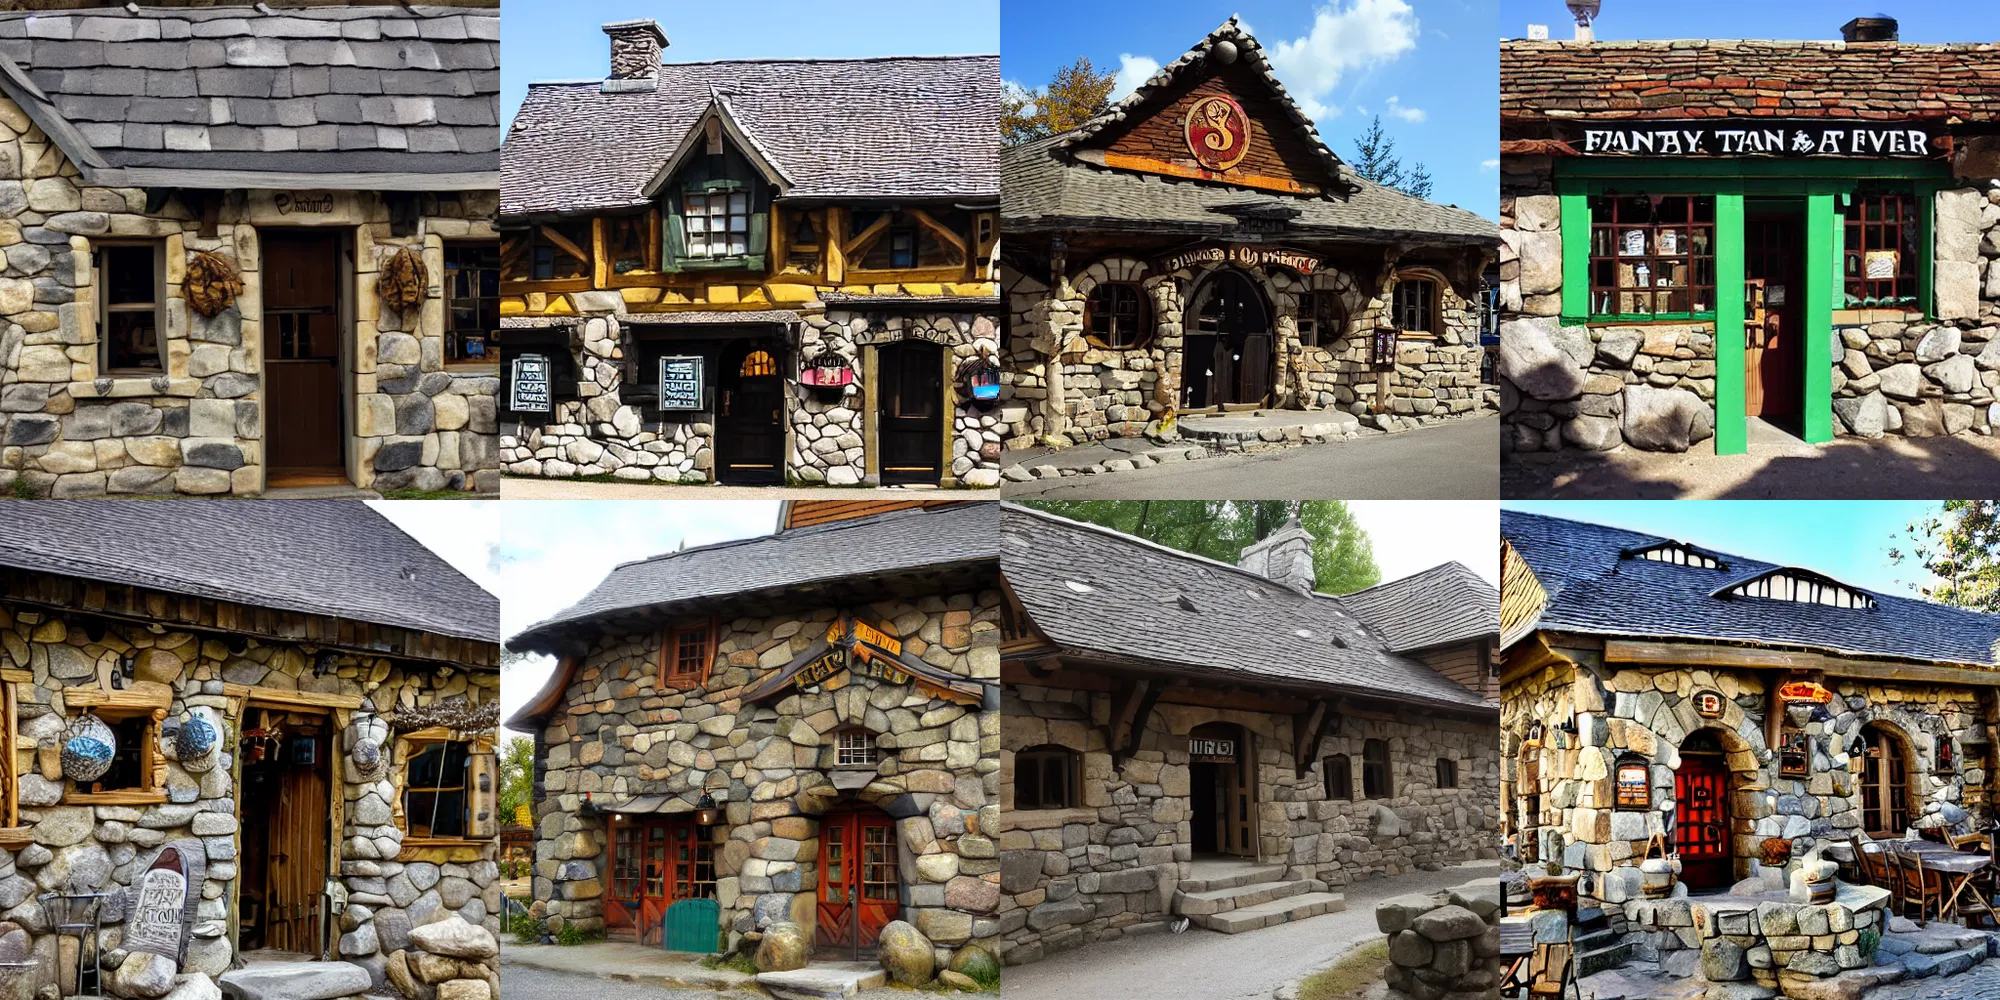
(1218, 132)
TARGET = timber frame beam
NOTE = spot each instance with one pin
(1131, 705)
(1308, 729)
(1636, 652)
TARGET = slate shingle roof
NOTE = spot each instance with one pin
(1699, 78)
(312, 91)
(1592, 590)
(904, 127)
(926, 542)
(1096, 591)
(323, 557)
(1444, 604)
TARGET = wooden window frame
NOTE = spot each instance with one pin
(1337, 778)
(1378, 777)
(478, 303)
(1042, 756)
(106, 309)
(729, 215)
(1886, 753)
(855, 250)
(1142, 317)
(1419, 318)
(865, 745)
(1447, 773)
(670, 658)
(1315, 320)
(13, 835)
(546, 236)
(115, 707)
(408, 745)
(1860, 234)
(1693, 251)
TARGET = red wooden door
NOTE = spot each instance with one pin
(654, 863)
(1701, 820)
(859, 884)
(1772, 372)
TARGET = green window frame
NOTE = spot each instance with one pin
(757, 243)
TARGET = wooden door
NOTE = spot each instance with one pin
(910, 432)
(621, 903)
(297, 835)
(749, 424)
(1885, 786)
(1701, 819)
(1231, 333)
(860, 886)
(1199, 365)
(655, 863)
(1225, 796)
(1253, 368)
(1774, 292)
(302, 335)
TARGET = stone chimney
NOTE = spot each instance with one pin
(1285, 556)
(1869, 29)
(635, 49)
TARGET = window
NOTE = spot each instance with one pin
(880, 878)
(1885, 789)
(556, 251)
(856, 748)
(717, 225)
(1416, 305)
(625, 862)
(1118, 316)
(1447, 773)
(435, 790)
(757, 363)
(685, 653)
(1339, 777)
(1804, 587)
(130, 276)
(1045, 778)
(1320, 319)
(1652, 255)
(1678, 554)
(472, 302)
(1879, 261)
(135, 734)
(626, 240)
(1375, 783)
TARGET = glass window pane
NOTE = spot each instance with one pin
(739, 203)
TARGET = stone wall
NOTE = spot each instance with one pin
(68, 430)
(597, 433)
(1443, 944)
(1596, 387)
(1650, 712)
(1063, 384)
(1110, 866)
(770, 765)
(393, 905)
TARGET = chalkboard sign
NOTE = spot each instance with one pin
(531, 384)
(681, 382)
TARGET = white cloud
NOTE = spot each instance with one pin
(1315, 110)
(1397, 110)
(1346, 35)
(1132, 71)
(1492, 164)
(1014, 90)
(1411, 536)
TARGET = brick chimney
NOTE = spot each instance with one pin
(1869, 29)
(635, 49)
(1285, 556)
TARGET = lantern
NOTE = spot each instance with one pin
(706, 812)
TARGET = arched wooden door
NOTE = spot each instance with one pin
(909, 381)
(860, 885)
(1226, 353)
(749, 420)
(1701, 814)
(1223, 790)
(1885, 784)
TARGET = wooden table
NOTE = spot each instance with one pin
(1960, 867)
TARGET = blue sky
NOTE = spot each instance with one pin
(1919, 20)
(549, 40)
(1428, 67)
(1844, 539)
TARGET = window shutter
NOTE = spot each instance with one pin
(482, 792)
(676, 244)
(760, 239)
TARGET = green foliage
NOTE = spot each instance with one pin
(1958, 544)
(22, 491)
(517, 776)
(525, 928)
(1343, 555)
(573, 935)
(1376, 159)
(734, 962)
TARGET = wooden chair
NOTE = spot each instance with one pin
(1975, 902)
(1856, 871)
(1873, 861)
(1552, 971)
(1921, 889)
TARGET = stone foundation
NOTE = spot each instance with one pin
(1444, 944)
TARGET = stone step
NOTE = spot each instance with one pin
(823, 981)
(1589, 962)
(295, 981)
(1207, 878)
(1277, 911)
(1191, 904)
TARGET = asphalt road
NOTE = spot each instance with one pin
(1204, 965)
(529, 488)
(1458, 460)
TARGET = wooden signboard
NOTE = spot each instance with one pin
(1634, 785)
(1216, 751)
(1217, 132)
(682, 382)
(1804, 691)
(530, 389)
(1794, 754)
(1242, 255)
(1738, 137)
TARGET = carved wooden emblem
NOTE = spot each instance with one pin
(1218, 133)
(1708, 704)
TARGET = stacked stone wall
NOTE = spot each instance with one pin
(1443, 944)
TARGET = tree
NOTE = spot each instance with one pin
(1377, 161)
(517, 776)
(1343, 555)
(1076, 94)
(1958, 544)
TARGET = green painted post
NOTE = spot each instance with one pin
(1731, 434)
(1576, 257)
(1821, 219)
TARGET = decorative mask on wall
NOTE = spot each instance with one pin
(212, 283)
(827, 371)
(402, 280)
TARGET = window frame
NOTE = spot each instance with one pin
(1142, 317)
(480, 763)
(1378, 779)
(1324, 313)
(1043, 756)
(464, 789)
(1690, 225)
(1430, 310)
(729, 216)
(100, 276)
(550, 236)
(1447, 773)
(863, 743)
(13, 834)
(673, 653)
(1909, 228)
(1337, 777)
(483, 306)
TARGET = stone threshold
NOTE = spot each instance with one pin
(1210, 436)
(625, 961)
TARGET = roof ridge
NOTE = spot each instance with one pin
(1170, 550)
(1445, 566)
(789, 532)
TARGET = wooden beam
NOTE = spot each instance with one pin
(1308, 728)
(144, 700)
(562, 243)
(1689, 654)
(866, 237)
(1130, 709)
(281, 698)
(943, 231)
(835, 260)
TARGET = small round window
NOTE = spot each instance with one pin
(1118, 316)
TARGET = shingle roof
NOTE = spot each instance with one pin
(1699, 78)
(1097, 591)
(1444, 604)
(1593, 589)
(921, 543)
(323, 557)
(300, 92)
(903, 127)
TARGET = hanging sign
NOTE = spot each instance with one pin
(1759, 137)
(1634, 786)
(530, 393)
(681, 382)
(1804, 691)
(1219, 751)
(1242, 255)
(1708, 704)
(1384, 349)
(1217, 132)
